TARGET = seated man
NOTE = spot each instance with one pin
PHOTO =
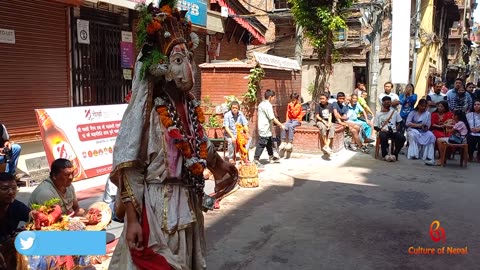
(323, 116)
(230, 119)
(340, 113)
(387, 122)
(59, 185)
(12, 212)
(9, 152)
(109, 197)
(293, 119)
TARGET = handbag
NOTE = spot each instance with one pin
(455, 139)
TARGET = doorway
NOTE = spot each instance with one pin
(360, 76)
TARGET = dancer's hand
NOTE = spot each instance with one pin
(134, 235)
(3, 264)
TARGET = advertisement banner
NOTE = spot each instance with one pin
(197, 11)
(84, 135)
(126, 49)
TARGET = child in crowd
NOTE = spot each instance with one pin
(459, 129)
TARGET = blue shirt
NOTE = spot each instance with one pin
(354, 111)
(342, 109)
(408, 104)
(230, 121)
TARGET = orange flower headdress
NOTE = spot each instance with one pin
(159, 29)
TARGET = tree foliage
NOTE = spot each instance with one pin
(320, 20)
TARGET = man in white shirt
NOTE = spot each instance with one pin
(266, 118)
(387, 123)
(387, 87)
(434, 98)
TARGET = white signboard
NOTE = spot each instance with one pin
(400, 41)
(85, 135)
(83, 32)
(7, 36)
(127, 36)
(275, 61)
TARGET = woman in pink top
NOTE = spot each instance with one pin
(459, 128)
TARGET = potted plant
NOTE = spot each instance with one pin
(213, 127)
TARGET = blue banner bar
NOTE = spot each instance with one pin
(61, 243)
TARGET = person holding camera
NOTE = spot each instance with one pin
(9, 152)
(421, 140)
(386, 123)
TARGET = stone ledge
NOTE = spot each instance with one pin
(307, 139)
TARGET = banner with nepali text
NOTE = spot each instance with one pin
(84, 135)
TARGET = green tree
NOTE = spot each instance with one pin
(321, 19)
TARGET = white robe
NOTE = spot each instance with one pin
(174, 212)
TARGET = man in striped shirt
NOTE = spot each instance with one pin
(457, 97)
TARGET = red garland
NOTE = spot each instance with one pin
(181, 140)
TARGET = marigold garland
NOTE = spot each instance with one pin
(166, 9)
(154, 26)
(196, 168)
(203, 150)
(164, 117)
(195, 165)
(200, 114)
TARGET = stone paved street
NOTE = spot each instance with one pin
(352, 212)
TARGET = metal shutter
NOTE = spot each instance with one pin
(34, 72)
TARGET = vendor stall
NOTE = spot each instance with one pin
(48, 217)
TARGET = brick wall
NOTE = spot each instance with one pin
(219, 82)
(307, 140)
(232, 49)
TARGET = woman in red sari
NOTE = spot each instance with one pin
(440, 119)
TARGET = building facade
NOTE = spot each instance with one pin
(459, 45)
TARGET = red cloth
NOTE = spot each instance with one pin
(439, 133)
(147, 259)
(66, 261)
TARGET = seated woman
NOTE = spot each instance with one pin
(421, 140)
(441, 118)
(459, 128)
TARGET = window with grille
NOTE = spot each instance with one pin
(281, 4)
(452, 49)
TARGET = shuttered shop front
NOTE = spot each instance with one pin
(34, 69)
